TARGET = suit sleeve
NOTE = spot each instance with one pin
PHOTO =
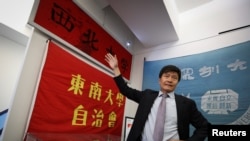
(127, 91)
(200, 124)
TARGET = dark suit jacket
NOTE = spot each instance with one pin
(187, 113)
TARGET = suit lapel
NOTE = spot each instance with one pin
(179, 107)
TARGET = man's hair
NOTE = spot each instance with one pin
(170, 68)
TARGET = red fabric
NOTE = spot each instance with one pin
(71, 137)
(69, 87)
(66, 20)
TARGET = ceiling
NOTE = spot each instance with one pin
(149, 19)
(156, 22)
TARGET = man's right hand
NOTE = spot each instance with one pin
(113, 63)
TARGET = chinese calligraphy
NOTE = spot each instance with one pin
(220, 101)
(88, 40)
(237, 65)
(77, 84)
(62, 17)
(95, 92)
(80, 116)
(206, 71)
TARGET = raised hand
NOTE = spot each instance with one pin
(113, 63)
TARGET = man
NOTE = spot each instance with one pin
(181, 112)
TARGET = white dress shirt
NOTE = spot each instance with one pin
(170, 127)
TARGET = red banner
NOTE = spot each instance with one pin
(66, 20)
(74, 97)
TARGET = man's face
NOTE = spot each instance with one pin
(168, 81)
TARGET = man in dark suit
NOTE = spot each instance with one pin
(181, 112)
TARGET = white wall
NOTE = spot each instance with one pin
(15, 13)
(14, 38)
(11, 59)
(21, 104)
(12, 55)
(212, 18)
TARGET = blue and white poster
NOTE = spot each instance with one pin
(218, 81)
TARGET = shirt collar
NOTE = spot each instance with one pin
(171, 94)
